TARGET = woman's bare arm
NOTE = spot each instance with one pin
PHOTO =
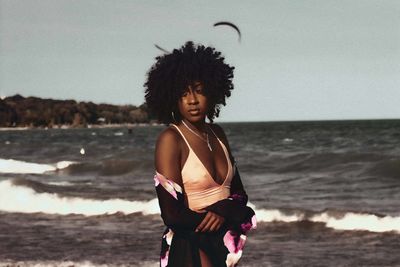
(167, 155)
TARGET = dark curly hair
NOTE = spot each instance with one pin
(172, 73)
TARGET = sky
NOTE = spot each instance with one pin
(297, 60)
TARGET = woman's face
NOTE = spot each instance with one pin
(193, 104)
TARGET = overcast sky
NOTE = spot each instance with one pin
(297, 60)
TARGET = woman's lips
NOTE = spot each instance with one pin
(194, 112)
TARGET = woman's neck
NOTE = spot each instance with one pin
(199, 126)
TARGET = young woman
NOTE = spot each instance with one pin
(201, 196)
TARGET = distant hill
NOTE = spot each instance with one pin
(19, 111)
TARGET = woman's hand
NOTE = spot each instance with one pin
(212, 222)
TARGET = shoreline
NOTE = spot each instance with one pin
(153, 123)
(89, 126)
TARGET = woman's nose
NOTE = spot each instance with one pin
(193, 98)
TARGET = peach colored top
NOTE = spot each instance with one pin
(200, 189)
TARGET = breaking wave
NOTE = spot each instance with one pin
(15, 197)
(17, 166)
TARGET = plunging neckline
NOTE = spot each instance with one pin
(204, 167)
(228, 162)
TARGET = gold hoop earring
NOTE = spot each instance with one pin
(173, 116)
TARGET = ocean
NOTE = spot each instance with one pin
(326, 193)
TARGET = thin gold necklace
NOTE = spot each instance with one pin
(201, 137)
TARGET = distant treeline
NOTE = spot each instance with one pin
(18, 111)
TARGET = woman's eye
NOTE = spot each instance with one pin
(199, 90)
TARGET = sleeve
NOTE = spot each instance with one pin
(239, 219)
(173, 210)
(237, 190)
(234, 209)
(234, 212)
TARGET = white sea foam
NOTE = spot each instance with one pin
(17, 166)
(18, 198)
(349, 220)
(355, 221)
(14, 128)
(65, 183)
(69, 264)
(62, 183)
(276, 215)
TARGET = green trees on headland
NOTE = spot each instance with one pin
(18, 111)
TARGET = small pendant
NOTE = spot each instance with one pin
(209, 146)
(208, 143)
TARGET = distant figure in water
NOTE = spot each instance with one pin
(200, 193)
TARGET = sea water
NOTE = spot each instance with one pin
(325, 194)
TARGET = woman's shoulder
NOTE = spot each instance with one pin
(167, 154)
(169, 137)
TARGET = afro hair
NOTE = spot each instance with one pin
(172, 73)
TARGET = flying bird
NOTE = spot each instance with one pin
(220, 23)
(162, 49)
(230, 24)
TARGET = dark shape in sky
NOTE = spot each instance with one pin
(162, 49)
(230, 25)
